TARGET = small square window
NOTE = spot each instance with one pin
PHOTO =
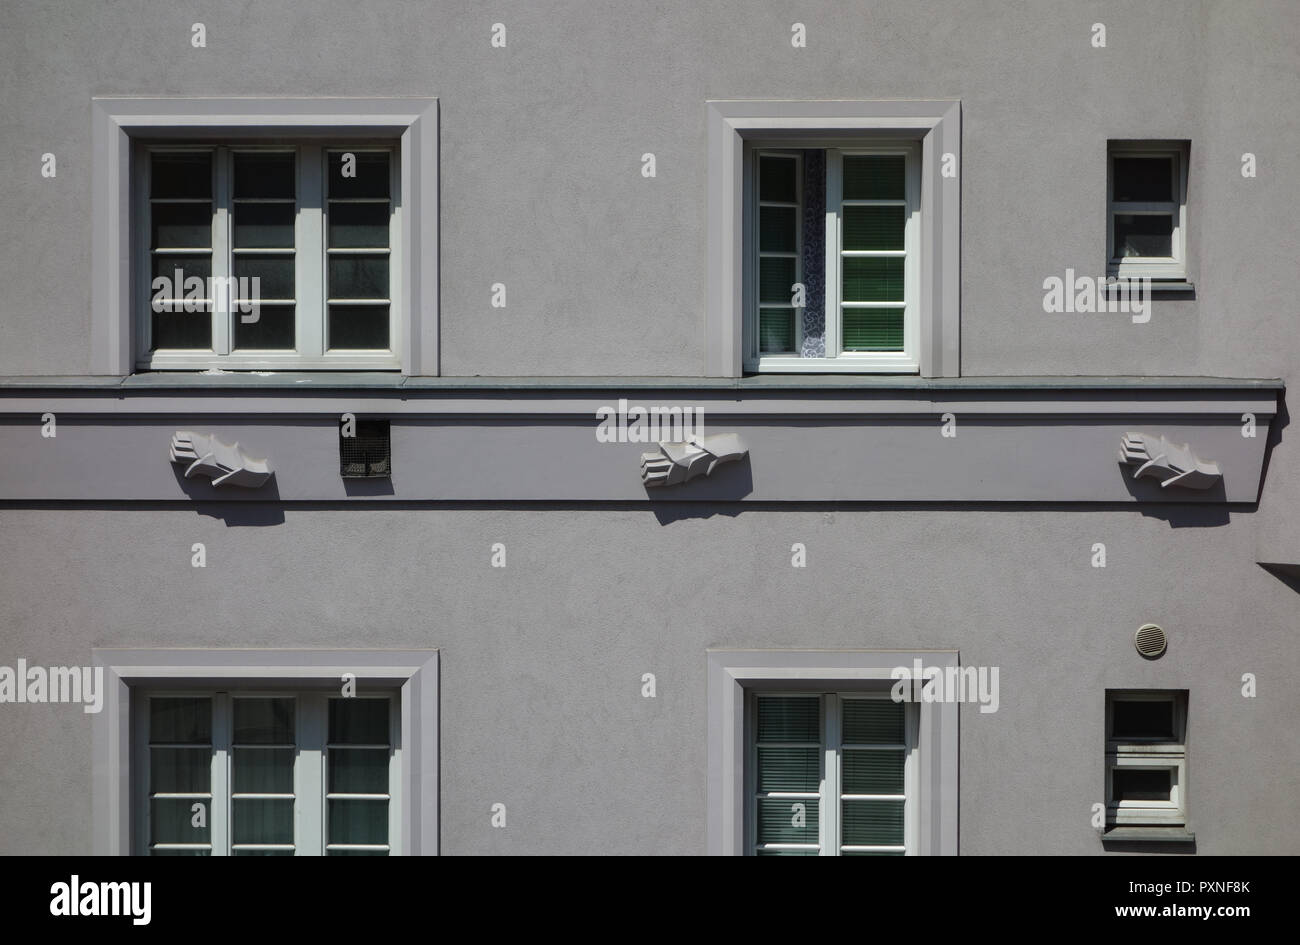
(1146, 764)
(1146, 212)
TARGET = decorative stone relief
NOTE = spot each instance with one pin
(698, 456)
(1173, 465)
(224, 465)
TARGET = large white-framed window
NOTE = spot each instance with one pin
(865, 268)
(338, 330)
(831, 774)
(820, 729)
(1146, 210)
(287, 752)
(263, 256)
(1146, 758)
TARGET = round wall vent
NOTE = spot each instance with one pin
(1150, 640)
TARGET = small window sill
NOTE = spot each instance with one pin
(1160, 288)
(1148, 835)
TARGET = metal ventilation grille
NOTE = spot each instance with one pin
(1150, 640)
(368, 454)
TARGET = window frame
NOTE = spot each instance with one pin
(1150, 753)
(119, 122)
(934, 125)
(1173, 267)
(410, 675)
(733, 675)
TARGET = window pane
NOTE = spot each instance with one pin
(263, 225)
(180, 852)
(775, 278)
(1143, 234)
(181, 225)
(276, 275)
(358, 722)
(775, 329)
(777, 229)
(872, 771)
(787, 820)
(789, 719)
(261, 820)
(1146, 180)
(171, 820)
(776, 179)
(874, 177)
(872, 823)
(356, 821)
(274, 329)
(356, 853)
(264, 175)
(178, 268)
(262, 770)
(873, 227)
(873, 722)
(789, 769)
(785, 853)
(358, 277)
(1142, 718)
(180, 721)
(872, 279)
(1136, 784)
(358, 225)
(371, 178)
(358, 771)
(186, 174)
(263, 721)
(872, 329)
(180, 329)
(180, 770)
(358, 326)
(261, 853)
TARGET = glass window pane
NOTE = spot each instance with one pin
(182, 174)
(775, 329)
(789, 719)
(182, 330)
(358, 225)
(180, 770)
(1143, 179)
(261, 820)
(872, 771)
(872, 823)
(872, 722)
(358, 326)
(786, 853)
(261, 853)
(787, 820)
(180, 852)
(181, 720)
(872, 279)
(264, 175)
(179, 268)
(1137, 784)
(776, 179)
(358, 722)
(778, 231)
(358, 771)
(358, 277)
(356, 853)
(263, 225)
(357, 821)
(789, 769)
(371, 175)
(1143, 234)
(872, 329)
(171, 820)
(262, 770)
(276, 275)
(181, 225)
(263, 721)
(874, 177)
(874, 228)
(274, 329)
(776, 275)
(1142, 718)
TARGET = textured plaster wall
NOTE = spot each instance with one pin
(542, 660)
(541, 145)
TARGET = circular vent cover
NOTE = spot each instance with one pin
(1150, 640)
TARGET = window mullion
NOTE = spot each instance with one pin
(219, 815)
(221, 255)
(310, 242)
(309, 777)
(834, 193)
(830, 792)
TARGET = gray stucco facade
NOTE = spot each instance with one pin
(982, 543)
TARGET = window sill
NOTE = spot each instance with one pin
(1148, 835)
(1160, 288)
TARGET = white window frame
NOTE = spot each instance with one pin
(311, 748)
(734, 675)
(120, 122)
(830, 794)
(412, 674)
(1172, 267)
(311, 311)
(1150, 754)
